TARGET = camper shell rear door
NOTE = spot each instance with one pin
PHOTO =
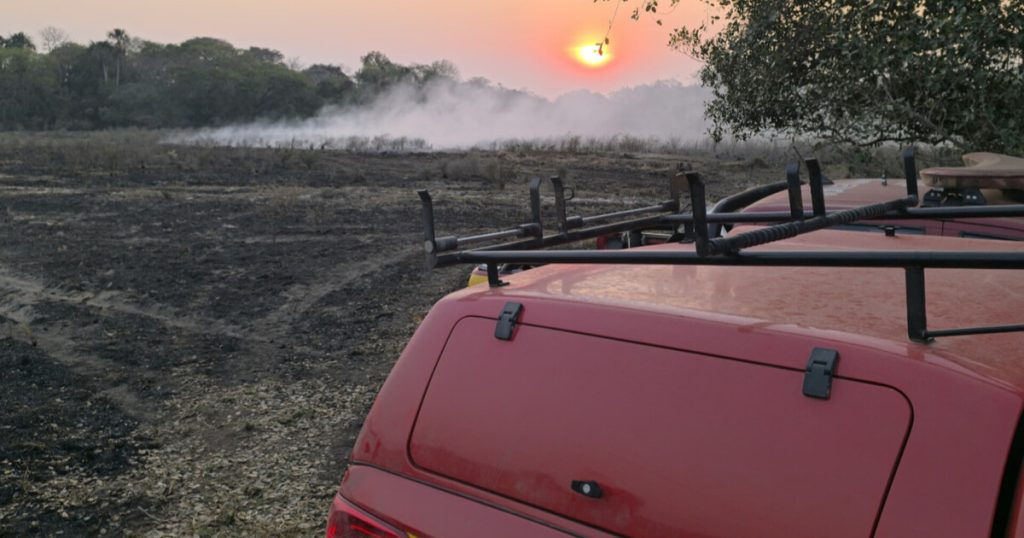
(666, 441)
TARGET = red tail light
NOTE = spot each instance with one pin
(347, 521)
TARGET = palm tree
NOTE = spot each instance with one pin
(119, 39)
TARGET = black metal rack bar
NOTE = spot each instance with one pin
(917, 318)
(967, 331)
(531, 234)
(729, 251)
(449, 258)
(738, 201)
(768, 234)
(796, 202)
(817, 187)
(923, 213)
(698, 205)
(564, 223)
(913, 262)
(626, 213)
(910, 172)
(433, 244)
(873, 259)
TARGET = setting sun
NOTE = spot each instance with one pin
(593, 55)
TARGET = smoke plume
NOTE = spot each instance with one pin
(449, 115)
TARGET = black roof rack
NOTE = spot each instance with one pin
(524, 242)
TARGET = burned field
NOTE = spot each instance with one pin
(190, 337)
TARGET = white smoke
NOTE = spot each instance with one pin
(449, 115)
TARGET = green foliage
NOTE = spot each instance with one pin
(29, 82)
(332, 84)
(378, 74)
(863, 71)
(127, 82)
(17, 41)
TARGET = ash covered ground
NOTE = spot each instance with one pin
(190, 337)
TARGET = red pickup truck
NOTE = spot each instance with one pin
(765, 391)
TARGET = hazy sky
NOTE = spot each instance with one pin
(518, 43)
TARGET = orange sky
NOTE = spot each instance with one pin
(519, 43)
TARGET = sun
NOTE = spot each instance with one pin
(593, 55)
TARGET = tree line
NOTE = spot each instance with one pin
(124, 81)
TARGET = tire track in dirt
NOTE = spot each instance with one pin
(19, 296)
(60, 344)
(301, 297)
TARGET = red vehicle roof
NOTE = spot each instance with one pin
(863, 306)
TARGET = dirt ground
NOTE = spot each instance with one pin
(190, 349)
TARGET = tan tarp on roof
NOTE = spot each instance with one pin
(982, 170)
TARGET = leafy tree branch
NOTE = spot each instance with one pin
(863, 71)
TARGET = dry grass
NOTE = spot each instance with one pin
(126, 151)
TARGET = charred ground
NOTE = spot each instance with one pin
(190, 337)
